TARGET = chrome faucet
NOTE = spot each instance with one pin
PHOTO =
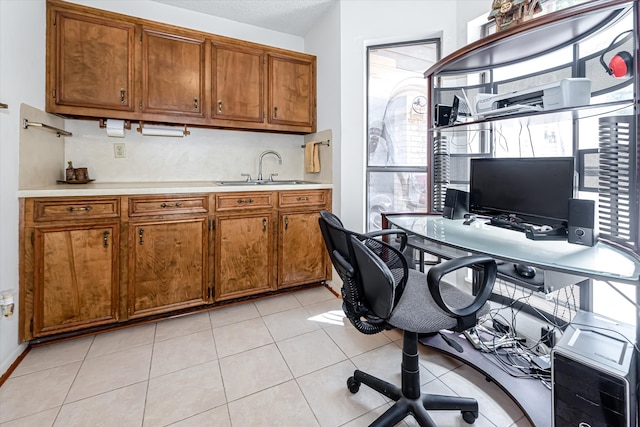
(264, 153)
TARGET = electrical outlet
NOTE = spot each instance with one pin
(119, 150)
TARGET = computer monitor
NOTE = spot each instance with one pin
(534, 189)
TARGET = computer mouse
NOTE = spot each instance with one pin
(525, 270)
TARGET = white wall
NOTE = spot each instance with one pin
(370, 22)
(22, 68)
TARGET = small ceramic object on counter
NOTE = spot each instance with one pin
(75, 175)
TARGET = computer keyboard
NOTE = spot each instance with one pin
(508, 222)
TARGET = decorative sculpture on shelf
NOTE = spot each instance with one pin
(509, 13)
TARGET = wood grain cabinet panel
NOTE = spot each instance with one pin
(75, 209)
(90, 63)
(245, 249)
(173, 74)
(75, 277)
(107, 65)
(237, 82)
(171, 205)
(292, 91)
(167, 261)
(301, 252)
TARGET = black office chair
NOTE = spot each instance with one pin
(380, 292)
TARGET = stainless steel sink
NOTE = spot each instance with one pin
(263, 182)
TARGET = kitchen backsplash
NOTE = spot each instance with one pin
(205, 154)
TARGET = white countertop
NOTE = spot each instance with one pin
(126, 188)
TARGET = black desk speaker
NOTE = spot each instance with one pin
(582, 222)
(456, 204)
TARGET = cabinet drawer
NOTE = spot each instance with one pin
(145, 206)
(289, 199)
(242, 201)
(65, 209)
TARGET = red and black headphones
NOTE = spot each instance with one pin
(621, 64)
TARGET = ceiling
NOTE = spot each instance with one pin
(286, 16)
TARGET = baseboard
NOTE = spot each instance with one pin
(18, 355)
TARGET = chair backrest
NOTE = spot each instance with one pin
(369, 292)
(382, 271)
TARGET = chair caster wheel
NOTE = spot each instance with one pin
(469, 416)
(353, 385)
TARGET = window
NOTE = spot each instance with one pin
(397, 127)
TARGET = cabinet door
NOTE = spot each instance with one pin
(172, 74)
(238, 83)
(301, 252)
(166, 265)
(291, 91)
(244, 247)
(92, 63)
(75, 277)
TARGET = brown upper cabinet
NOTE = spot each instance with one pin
(291, 85)
(238, 83)
(82, 51)
(106, 65)
(173, 73)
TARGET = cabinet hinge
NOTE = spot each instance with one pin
(140, 104)
(54, 94)
(33, 237)
(31, 326)
(141, 37)
(54, 21)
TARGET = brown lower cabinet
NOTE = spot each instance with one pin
(89, 262)
(167, 265)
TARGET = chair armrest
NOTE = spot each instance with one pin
(436, 273)
(385, 232)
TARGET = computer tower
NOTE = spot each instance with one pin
(593, 374)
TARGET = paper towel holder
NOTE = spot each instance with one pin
(103, 124)
(162, 131)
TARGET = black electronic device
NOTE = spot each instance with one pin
(593, 373)
(582, 227)
(459, 110)
(525, 271)
(443, 115)
(533, 190)
(456, 204)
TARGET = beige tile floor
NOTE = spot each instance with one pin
(280, 361)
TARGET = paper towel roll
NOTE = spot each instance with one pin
(162, 132)
(115, 128)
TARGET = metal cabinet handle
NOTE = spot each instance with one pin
(241, 201)
(170, 205)
(219, 105)
(275, 112)
(286, 222)
(122, 92)
(302, 199)
(140, 232)
(105, 239)
(264, 225)
(81, 209)
(195, 104)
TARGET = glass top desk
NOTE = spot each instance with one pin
(600, 262)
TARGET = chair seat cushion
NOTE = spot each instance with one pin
(417, 311)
